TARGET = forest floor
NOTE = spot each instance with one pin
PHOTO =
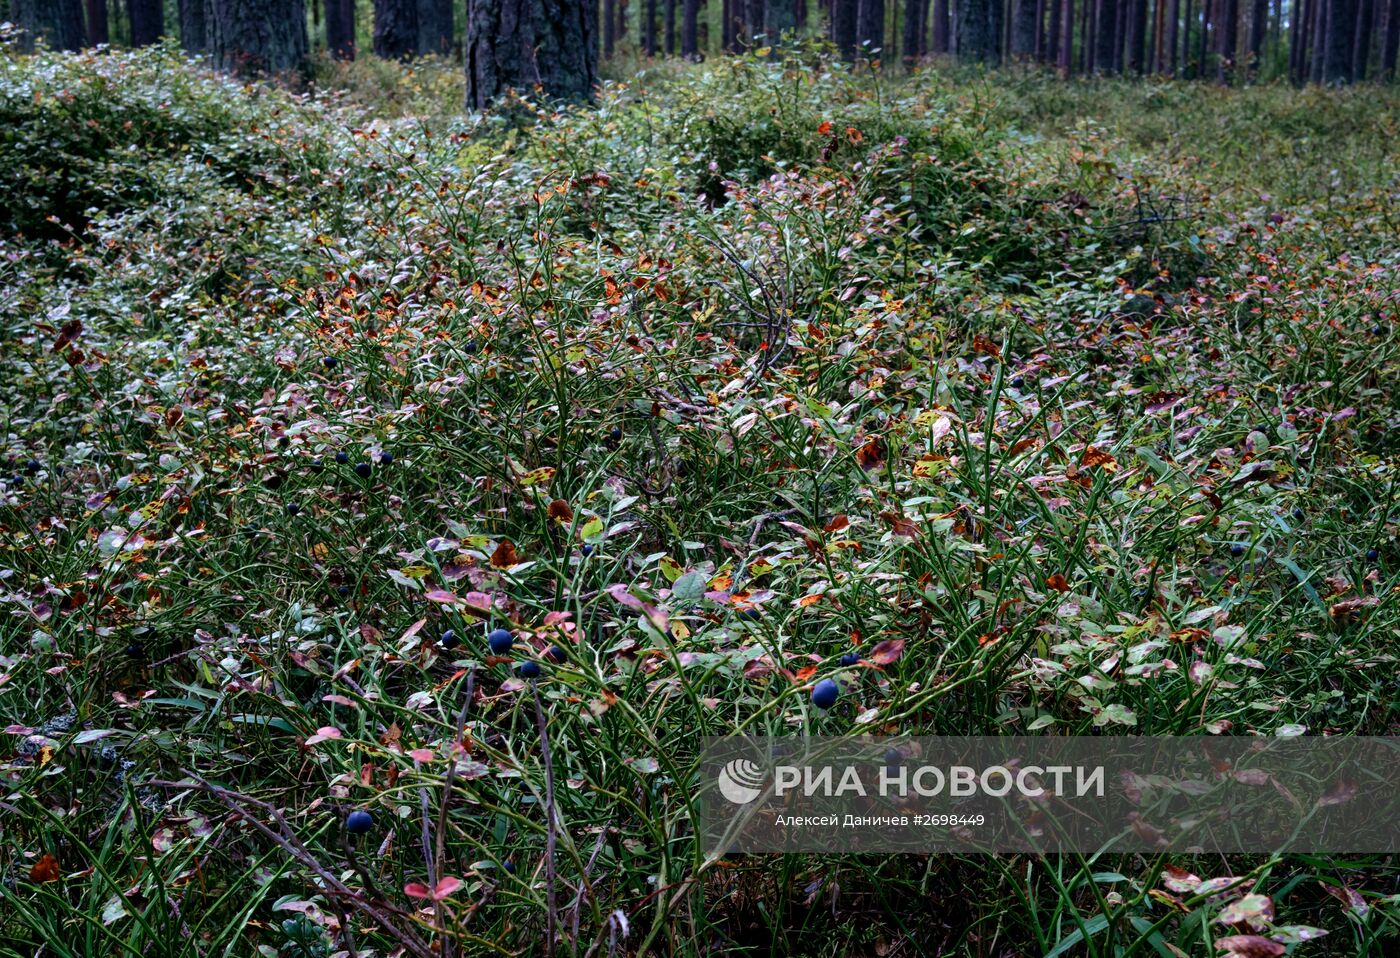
(1078, 400)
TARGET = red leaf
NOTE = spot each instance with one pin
(887, 652)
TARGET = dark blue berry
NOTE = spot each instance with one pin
(509, 866)
(317, 465)
(586, 551)
(850, 658)
(32, 466)
(329, 361)
(824, 694)
(500, 641)
(293, 508)
(753, 615)
(1237, 550)
(449, 640)
(1298, 515)
(344, 590)
(471, 347)
(1372, 555)
(385, 458)
(135, 650)
(1018, 382)
(358, 822)
(530, 669)
(893, 756)
(363, 469)
(342, 457)
(556, 653)
(616, 433)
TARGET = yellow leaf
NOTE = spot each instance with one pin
(536, 477)
(670, 568)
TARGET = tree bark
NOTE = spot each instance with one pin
(1066, 51)
(1392, 41)
(914, 11)
(1258, 22)
(435, 27)
(1053, 37)
(1338, 44)
(979, 30)
(395, 29)
(96, 22)
(194, 33)
(941, 15)
(690, 32)
(340, 28)
(58, 22)
(1361, 44)
(649, 27)
(519, 44)
(843, 27)
(1136, 35)
(249, 37)
(147, 21)
(670, 21)
(1023, 20)
(870, 24)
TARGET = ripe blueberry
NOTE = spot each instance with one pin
(586, 550)
(471, 347)
(555, 654)
(500, 641)
(358, 822)
(344, 590)
(616, 433)
(824, 694)
(362, 469)
(1372, 555)
(449, 640)
(293, 508)
(509, 866)
(530, 669)
(753, 615)
(329, 361)
(32, 466)
(317, 465)
(893, 756)
(1237, 550)
(342, 457)
(850, 658)
(135, 651)
(385, 458)
(1018, 382)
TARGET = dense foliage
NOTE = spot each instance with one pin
(1076, 398)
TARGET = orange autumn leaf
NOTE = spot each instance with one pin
(981, 344)
(805, 673)
(1057, 582)
(505, 556)
(808, 600)
(1097, 457)
(887, 652)
(45, 869)
(871, 455)
(837, 523)
(825, 128)
(560, 512)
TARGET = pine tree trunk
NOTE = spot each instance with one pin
(1064, 58)
(979, 30)
(1258, 22)
(147, 21)
(941, 14)
(690, 33)
(248, 37)
(97, 22)
(518, 44)
(1392, 42)
(194, 33)
(843, 27)
(395, 29)
(870, 24)
(1361, 44)
(58, 22)
(340, 28)
(1338, 45)
(1169, 38)
(1136, 16)
(1023, 29)
(670, 20)
(649, 28)
(609, 28)
(1053, 38)
(435, 27)
(914, 11)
